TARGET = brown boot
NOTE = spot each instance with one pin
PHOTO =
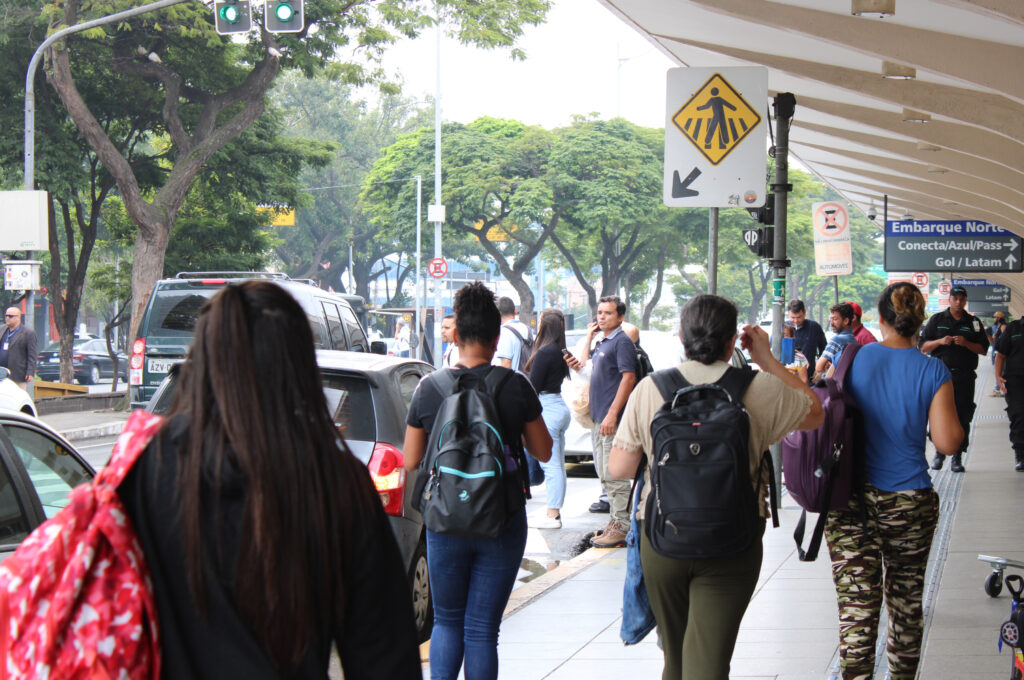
(606, 527)
(613, 536)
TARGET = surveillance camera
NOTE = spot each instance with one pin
(872, 215)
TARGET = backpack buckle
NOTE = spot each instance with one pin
(695, 448)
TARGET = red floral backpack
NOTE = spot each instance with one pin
(76, 600)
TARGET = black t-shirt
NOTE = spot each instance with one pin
(378, 638)
(1011, 344)
(548, 369)
(954, 356)
(517, 403)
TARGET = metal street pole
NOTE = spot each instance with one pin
(784, 105)
(419, 267)
(437, 201)
(713, 251)
(30, 103)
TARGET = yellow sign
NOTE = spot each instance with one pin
(279, 217)
(716, 119)
(497, 232)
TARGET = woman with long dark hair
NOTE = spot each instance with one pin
(547, 370)
(265, 539)
(881, 549)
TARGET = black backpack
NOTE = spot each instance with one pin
(702, 502)
(644, 367)
(527, 346)
(470, 479)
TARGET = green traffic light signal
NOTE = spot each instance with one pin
(284, 11)
(232, 16)
(284, 16)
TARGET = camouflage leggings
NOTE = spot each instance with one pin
(890, 558)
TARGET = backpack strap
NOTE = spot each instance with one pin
(773, 491)
(669, 381)
(524, 341)
(495, 379)
(735, 381)
(445, 380)
(845, 361)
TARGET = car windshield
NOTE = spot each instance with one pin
(55, 346)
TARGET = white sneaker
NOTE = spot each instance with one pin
(546, 522)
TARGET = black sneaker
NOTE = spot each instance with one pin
(957, 465)
(600, 506)
(938, 461)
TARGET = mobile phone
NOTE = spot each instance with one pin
(566, 353)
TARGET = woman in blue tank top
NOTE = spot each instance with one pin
(903, 395)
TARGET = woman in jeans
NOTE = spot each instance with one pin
(547, 370)
(472, 578)
(903, 395)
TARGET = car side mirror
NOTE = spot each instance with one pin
(376, 347)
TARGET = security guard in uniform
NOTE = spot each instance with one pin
(957, 337)
(1010, 376)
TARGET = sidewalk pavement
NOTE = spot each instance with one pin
(78, 426)
(564, 625)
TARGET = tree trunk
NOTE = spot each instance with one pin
(645, 324)
(584, 283)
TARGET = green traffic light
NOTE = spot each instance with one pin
(284, 12)
(229, 13)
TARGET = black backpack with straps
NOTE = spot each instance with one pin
(470, 481)
(702, 502)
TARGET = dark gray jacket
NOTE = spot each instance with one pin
(22, 353)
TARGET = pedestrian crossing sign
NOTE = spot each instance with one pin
(716, 119)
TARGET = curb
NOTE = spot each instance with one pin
(94, 431)
(521, 597)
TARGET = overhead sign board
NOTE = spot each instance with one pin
(958, 246)
(832, 242)
(984, 290)
(716, 137)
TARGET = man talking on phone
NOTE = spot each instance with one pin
(613, 376)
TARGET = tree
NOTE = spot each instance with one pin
(330, 218)
(209, 89)
(495, 194)
(608, 176)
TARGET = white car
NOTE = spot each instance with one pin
(12, 397)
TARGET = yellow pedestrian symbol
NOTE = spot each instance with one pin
(716, 119)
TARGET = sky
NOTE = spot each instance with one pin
(583, 60)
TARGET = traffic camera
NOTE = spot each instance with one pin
(284, 16)
(232, 16)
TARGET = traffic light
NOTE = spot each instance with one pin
(232, 16)
(284, 16)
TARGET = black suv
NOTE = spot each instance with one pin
(168, 324)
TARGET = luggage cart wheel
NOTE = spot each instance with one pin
(994, 584)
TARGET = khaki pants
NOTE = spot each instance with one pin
(617, 489)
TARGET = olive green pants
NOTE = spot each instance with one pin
(698, 605)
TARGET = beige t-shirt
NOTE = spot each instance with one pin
(774, 408)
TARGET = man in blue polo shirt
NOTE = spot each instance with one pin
(613, 376)
(841, 320)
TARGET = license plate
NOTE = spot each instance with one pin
(161, 365)
(54, 360)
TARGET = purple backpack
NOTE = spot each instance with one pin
(820, 465)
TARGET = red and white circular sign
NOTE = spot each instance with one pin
(944, 288)
(437, 267)
(921, 280)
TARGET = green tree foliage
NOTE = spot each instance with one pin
(204, 90)
(329, 217)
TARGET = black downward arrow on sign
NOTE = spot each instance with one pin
(680, 189)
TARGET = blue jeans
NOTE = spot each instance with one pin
(556, 417)
(470, 582)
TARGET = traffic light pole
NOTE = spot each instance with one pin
(784, 105)
(30, 103)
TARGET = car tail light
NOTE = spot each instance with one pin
(213, 282)
(78, 357)
(135, 363)
(387, 470)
